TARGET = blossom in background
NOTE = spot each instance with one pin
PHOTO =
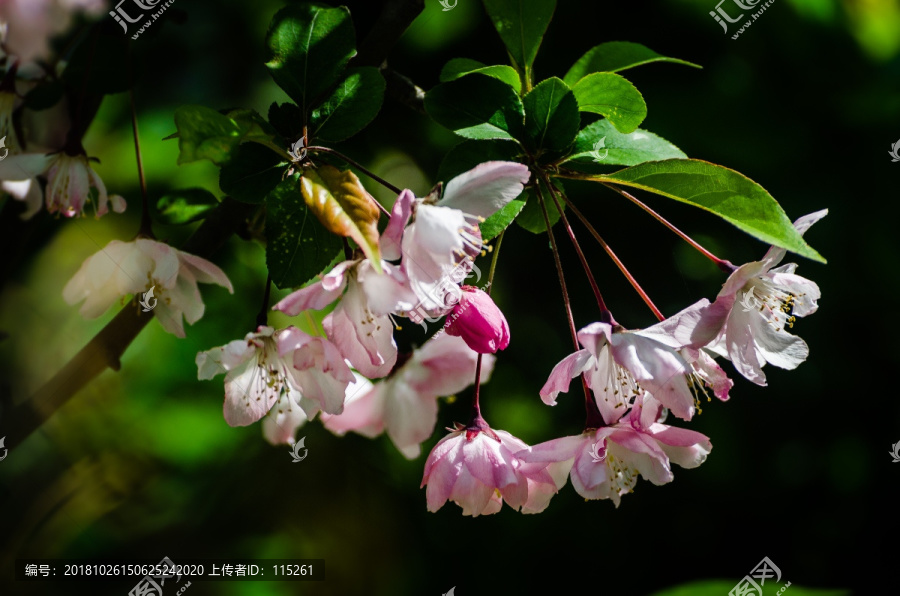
(444, 238)
(29, 25)
(126, 268)
(605, 463)
(477, 320)
(621, 365)
(754, 309)
(405, 404)
(318, 369)
(71, 182)
(476, 467)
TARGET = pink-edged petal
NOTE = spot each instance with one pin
(366, 340)
(778, 347)
(486, 188)
(204, 271)
(290, 339)
(471, 494)
(393, 233)
(694, 326)
(567, 369)
(684, 447)
(363, 414)
(286, 416)
(317, 295)
(409, 417)
(595, 336)
(775, 254)
(224, 358)
(386, 292)
(247, 395)
(659, 370)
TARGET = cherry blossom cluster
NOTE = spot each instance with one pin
(44, 165)
(289, 376)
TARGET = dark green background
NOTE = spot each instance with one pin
(142, 465)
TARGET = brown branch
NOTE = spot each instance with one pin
(106, 348)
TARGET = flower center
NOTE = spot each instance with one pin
(776, 305)
(622, 477)
(620, 386)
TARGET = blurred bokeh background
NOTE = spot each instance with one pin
(141, 464)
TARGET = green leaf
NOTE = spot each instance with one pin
(459, 67)
(352, 105)
(521, 25)
(185, 206)
(343, 207)
(477, 107)
(729, 194)
(612, 96)
(614, 56)
(616, 149)
(532, 217)
(499, 221)
(309, 46)
(717, 587)
(252, 173)
(551, 115)
(298, 247)
(204, 133)
(469, 154)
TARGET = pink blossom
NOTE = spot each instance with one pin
(621, 365)
(126, 268)
(754, 309)
(605, 463)
(318, 370)
(256, 377)
(70, 181)
(477, 320)
(405, 404)
(444, 239)
(476, 467)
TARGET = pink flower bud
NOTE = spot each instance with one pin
(477, 320)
